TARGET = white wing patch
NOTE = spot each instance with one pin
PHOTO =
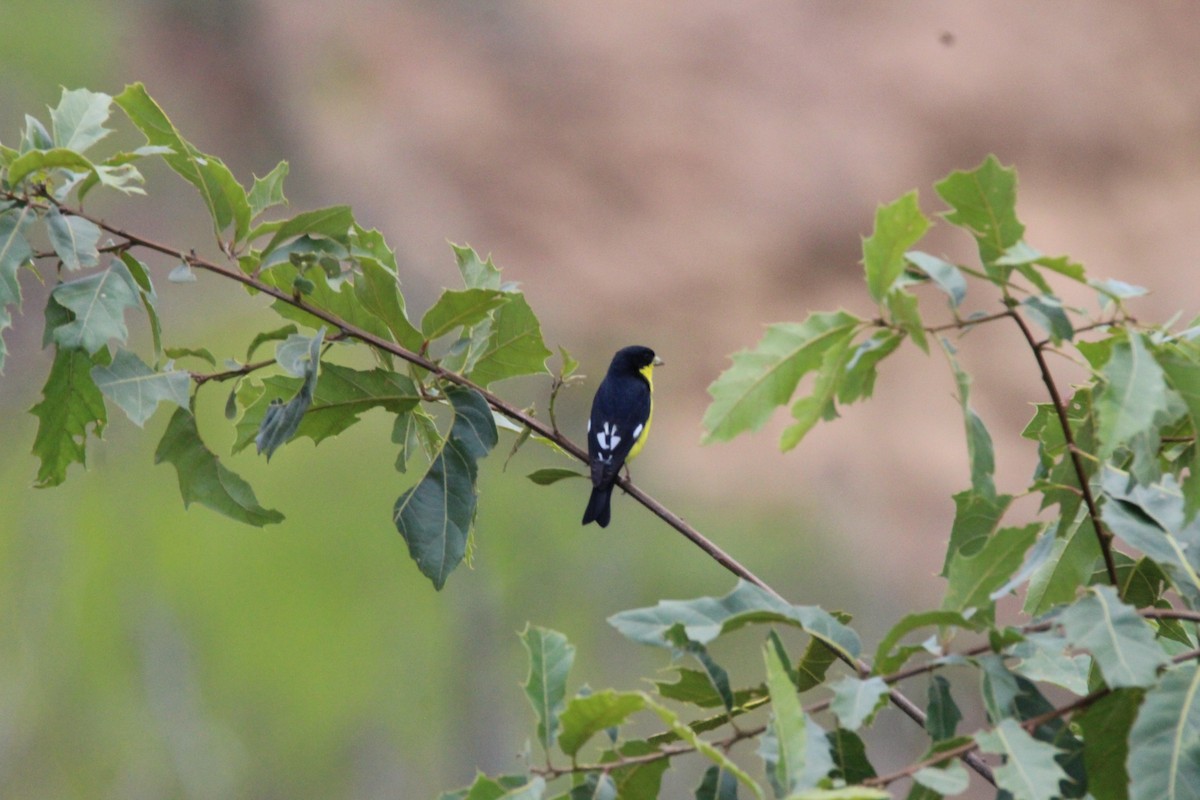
(607, 438)
(637, 432)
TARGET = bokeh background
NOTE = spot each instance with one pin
(671, 174)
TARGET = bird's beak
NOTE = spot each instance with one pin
(658, 362)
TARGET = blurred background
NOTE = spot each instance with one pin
(667, 174)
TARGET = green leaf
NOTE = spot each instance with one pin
(760, 380)
(1164, 744)
(898, 226)
(550, 659)
(717, 784)
(797, 766)
(97, 303)
(332, 223)
(1134, 394)
(584, 717)
(477, 273)
(947, 276)
(704, 748)
(950, 778)
(1105, 726)
(277, 335)
(549, 475)
(280, 420)
(339, 299)
(341, 396)
(222, 194)
(1072, 556)
(855, 701)
(812, 666)
(435, 516)
(888, 659)
(15, 252)
(1047, 311)
(70, 404)
(137, 388)
(515, 346)
(1120, 641)
(941, 715)
(37, 161)
(414, 431)
(904, 311)
(1151, 518)
(1044, 659)
(1030, 771)
(818, 405)
(1182, 368)
(268, 191)
(973, 578)
(457, 309)
(714, 672)
(845, 793)
(378, 289)
(977, 516)
(979, 442)
(73, 239)
(983, 201)
(638, 780)
(706, 618)
(695, 687)
(204, 479)
(849, 757)
(78, 119)
(858, 383)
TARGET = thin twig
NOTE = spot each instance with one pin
(1103, 536)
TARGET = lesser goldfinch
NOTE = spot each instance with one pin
(619, 425)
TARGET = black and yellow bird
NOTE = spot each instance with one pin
(619, 425)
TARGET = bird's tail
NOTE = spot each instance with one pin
(599, 507)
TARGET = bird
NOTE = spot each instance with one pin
(619, 425)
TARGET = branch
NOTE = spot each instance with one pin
(350, 331)
(1103, 536)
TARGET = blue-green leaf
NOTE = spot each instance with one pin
(1164, 744)
(1029, 771)
(73, 239)
(78, 119)
(550, 659)
(97, 304)
(1121, 642)
(137, 389)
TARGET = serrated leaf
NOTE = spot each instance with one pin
(435, 516)
(1105, 727)
(35, 162)
(904, 311)
(204, 479)
(859, 381)
(137, 389)
(332, 223)
(977, 516)
(515, 346)
(945, 275)
(338, 298)
(15, 252)
(983, 201)
(1044, 659)
(457, 309)
(97, 303)
(222, 194)
(379, 291)
(898, 226)
(1120, 641)
(941, 714)
(1030, 771)
(584, 717)
(78, 119)
(1164, 743)
(855, 700)
(550, 659)
(695, 687)
(70, 405)
(1134, 394)
(268, 190)
(73, 239)
(819, 404)
(973, 578)
(477, 273)
(706, 618)
(760, 380)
